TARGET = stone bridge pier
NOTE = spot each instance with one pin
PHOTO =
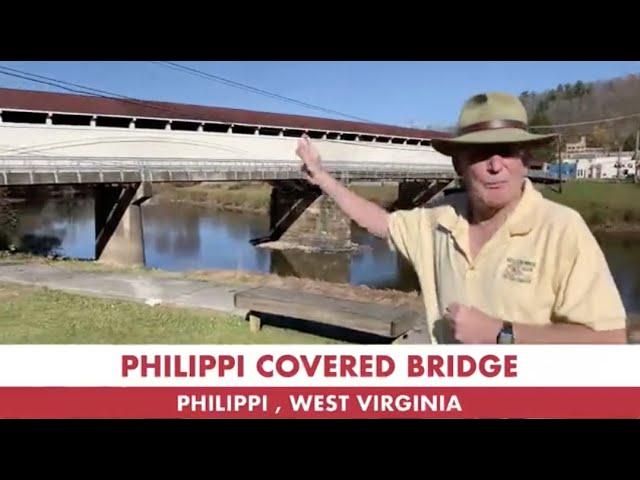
(302, 217)
(119, 238)
(416, 193)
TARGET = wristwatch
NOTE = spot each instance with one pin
(506, 334)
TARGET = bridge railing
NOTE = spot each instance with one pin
(21, 164)
(46, 170)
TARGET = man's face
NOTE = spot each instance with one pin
(493, 174)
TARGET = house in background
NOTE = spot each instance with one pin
(603, 167)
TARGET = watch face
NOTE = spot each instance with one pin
(506, 333)
(505, 338)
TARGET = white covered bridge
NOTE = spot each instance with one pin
(52, 138)
(120, 147)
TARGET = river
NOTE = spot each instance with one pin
(180, 237)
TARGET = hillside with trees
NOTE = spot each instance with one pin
(582, 102)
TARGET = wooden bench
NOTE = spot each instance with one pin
(372, 318)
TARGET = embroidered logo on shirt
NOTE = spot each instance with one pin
(519, 270)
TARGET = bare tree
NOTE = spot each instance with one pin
(8, 218)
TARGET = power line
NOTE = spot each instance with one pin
(84, 87)
(73, 87)
(43, 82)
(249, 88)
(62, 84)
(85, 90)
(603, 120)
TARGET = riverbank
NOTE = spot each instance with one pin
(240, 278)
(251, 196)
(606, 207)
(229, 196)
(37, 315)
(45, 301)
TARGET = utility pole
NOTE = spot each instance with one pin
(618, 163)
(636, 164)
(559, 163)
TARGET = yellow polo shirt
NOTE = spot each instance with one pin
(543, 265)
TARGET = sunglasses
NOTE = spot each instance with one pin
(478, 153)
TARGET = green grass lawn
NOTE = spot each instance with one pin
(256, 197)
(245, 196)
(30, 315)
(36, 315)
(600, 203)
(381, 194)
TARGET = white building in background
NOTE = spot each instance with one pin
(604, 167)
(577, 149)
(583, 168)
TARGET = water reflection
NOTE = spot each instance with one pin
(623, 256)
(332, 267)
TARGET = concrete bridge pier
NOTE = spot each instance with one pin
(118, 220)
(301, 216)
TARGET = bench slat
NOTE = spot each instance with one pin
(361, 316)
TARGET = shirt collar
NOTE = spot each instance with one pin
(519, 222)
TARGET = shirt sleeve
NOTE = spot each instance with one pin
(405, 228)
(586, 291)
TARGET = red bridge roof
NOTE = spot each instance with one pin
(87, 104)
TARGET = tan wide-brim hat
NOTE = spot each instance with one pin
(491, 118)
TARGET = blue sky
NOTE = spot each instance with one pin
(400, 93)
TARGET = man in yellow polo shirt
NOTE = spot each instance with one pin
(498, 263)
